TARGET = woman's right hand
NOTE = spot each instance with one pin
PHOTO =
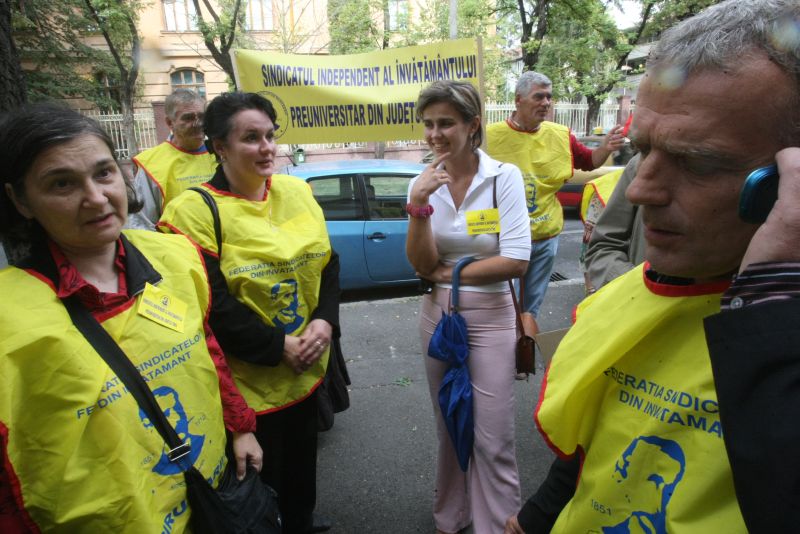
(291, 354)
(429, 181)
(513, 526)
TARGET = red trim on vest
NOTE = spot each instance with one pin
(41, 277)
(152, 179)
(561, 454)
(176, 147)
(296, 401)
(236, 195)
(103, 317)
(176, 230)
(693, 290)
(11, 491)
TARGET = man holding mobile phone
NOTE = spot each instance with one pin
(638, 377)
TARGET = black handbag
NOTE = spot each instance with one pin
(248, 506)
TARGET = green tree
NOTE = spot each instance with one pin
(220, 31)
(355, 26)
(116, 21)
(58, 64)
(12, 82)
(577, 44)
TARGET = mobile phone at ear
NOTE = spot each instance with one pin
(759, 193)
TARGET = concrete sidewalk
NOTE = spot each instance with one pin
(376, 466)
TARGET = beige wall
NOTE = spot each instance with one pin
(299, 26)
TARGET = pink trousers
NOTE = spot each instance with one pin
(488, 493)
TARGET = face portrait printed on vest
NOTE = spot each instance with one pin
(173, 409)
(530, 195)
(284, 297)
(659, 463)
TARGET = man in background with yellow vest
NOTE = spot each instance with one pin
(163, 172)
(546, 153)
(673, 401)
(616, 244)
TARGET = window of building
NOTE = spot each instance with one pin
(110, 93)
(259, 15)
(179, 16)
(189, 79)
(398, 15)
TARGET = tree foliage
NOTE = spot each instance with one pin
(58, 63)
(362, 25)
(355, 26)
(579, 46)
(12, 82)
(116, 21)
(219, 31)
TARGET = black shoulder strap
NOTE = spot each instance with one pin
(116, 359)
(212, 205)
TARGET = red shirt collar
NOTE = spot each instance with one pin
(70, 281)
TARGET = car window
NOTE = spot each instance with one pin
(339, 197)
(386, 195)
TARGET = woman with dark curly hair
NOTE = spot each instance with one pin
(275, 282)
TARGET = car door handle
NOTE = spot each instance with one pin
(377, 235)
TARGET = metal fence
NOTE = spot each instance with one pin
(144, 126)
(569, 114)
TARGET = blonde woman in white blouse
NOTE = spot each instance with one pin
(461, 185)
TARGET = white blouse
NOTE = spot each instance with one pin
(450, 225)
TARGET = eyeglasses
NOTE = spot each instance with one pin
(192, 117)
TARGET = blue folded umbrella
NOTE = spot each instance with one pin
(449, 344)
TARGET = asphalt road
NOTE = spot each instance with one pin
(376, 466)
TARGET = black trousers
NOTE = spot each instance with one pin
(289, 440)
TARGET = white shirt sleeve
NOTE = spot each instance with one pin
(515, 224)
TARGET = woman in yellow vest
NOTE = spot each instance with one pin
(275, 283)
(76, 453)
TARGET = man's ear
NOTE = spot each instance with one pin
(169, 122)
(19, 203)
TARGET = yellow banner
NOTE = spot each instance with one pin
(359, 97)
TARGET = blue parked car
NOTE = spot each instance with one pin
(364, 206)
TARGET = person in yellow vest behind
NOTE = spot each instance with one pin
(661, 422)
(76, 453)
(616, 244)
(546, 153)
(593, 201)
(275, 283)
(163, 172)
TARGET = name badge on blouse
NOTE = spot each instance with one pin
(162, 308)
(483, 222)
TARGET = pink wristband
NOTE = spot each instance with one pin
(420, 212)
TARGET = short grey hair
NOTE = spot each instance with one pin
(528, 80)
(461, 95)
(721, 35)
(181, 97)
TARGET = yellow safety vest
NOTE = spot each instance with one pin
(545, 159)
(601, 188)
(85, 459)
(630, 388)
(175, 170)
(273, 254)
